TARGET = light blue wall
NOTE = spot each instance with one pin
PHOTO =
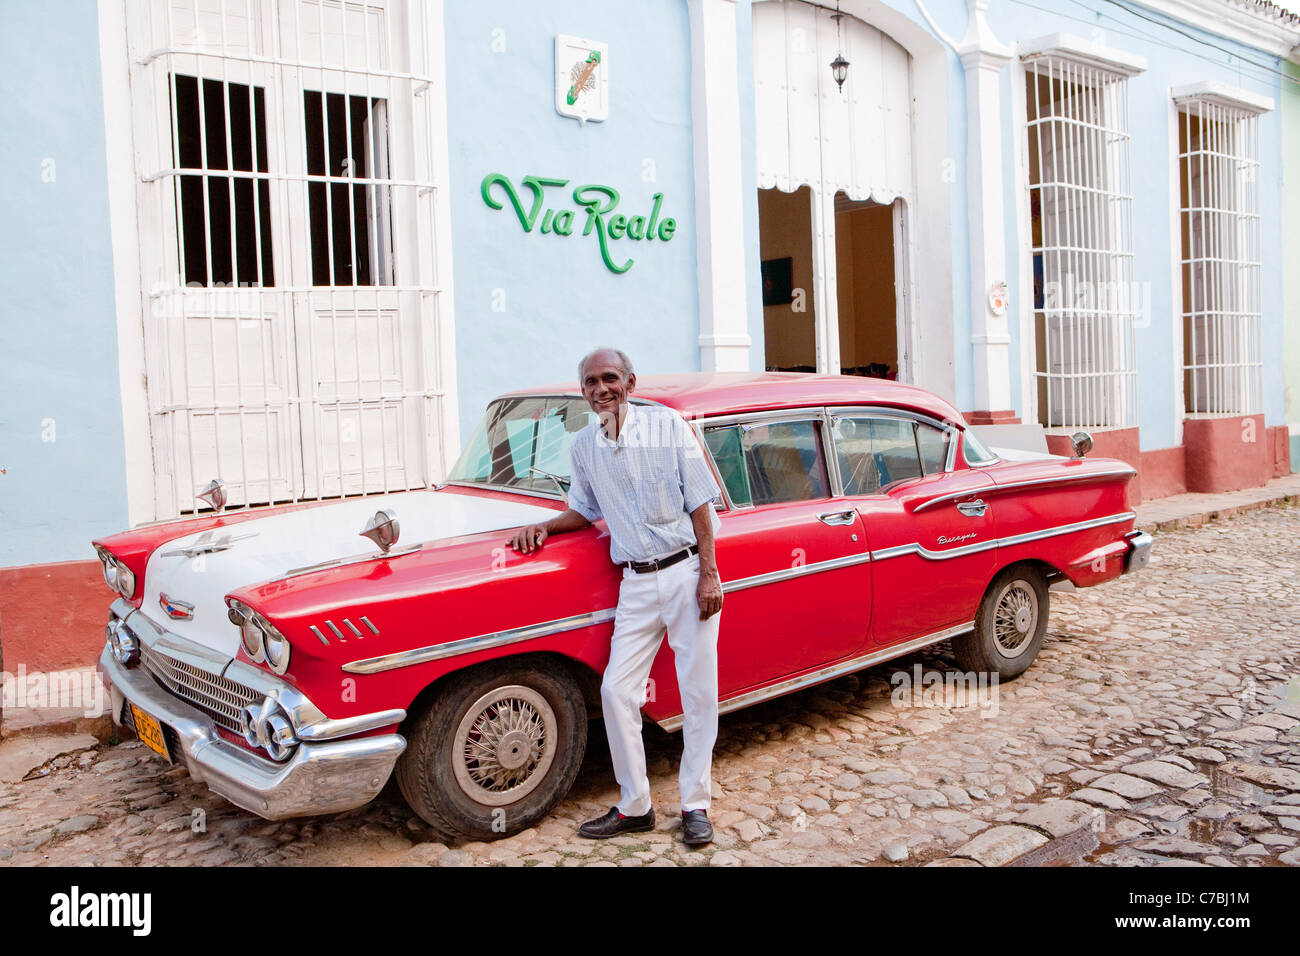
(1172, 60)
(559, 298)
(58, 333)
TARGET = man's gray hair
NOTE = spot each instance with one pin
(622, 357)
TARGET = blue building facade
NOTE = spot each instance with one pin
(302, 245)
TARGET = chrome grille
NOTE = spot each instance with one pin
(219, 698)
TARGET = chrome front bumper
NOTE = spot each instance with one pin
(321, 777)
(1139, 551)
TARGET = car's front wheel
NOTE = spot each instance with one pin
(1009, 626)
(494, 749)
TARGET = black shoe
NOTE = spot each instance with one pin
(614, 823)
(696, 828)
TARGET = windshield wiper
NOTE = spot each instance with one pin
(561, 483)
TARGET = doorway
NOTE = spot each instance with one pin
(866, 278)
(836, 184)
(786, 246)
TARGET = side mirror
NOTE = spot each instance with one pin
(382, 529)
(1081, 442)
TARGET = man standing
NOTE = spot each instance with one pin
(642, 470)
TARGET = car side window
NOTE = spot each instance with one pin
(932, 443)
(728, 453)
(765, 463)
(876, 452)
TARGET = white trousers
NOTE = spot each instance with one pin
(647, 605)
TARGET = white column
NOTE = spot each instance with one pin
(719, 188)
(826, 302)
(984, 56)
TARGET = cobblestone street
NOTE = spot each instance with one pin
(1157, 727)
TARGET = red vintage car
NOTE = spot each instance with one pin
(293, 666)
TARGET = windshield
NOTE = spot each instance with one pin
(520, 438)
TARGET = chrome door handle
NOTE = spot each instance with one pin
(972, 509)
(837, 517)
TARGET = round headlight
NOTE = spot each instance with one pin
(251, 633)
(268, 726)
(280, 739)
(125, 580)
(125, 648)
(248, 722)
(110, 572)
(277, 650)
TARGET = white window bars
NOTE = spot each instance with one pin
(1218, 149)
(287, 228)
(1080, 203)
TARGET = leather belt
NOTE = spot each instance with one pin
(644, 567)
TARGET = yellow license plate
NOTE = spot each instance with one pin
(150, 731)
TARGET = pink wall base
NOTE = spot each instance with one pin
(1227, 454)
(1280, 439)
(52, 616)
(1164, 472)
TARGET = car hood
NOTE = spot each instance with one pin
(261, 549)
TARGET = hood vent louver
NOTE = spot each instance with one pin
(332, 630)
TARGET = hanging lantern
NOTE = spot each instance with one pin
(839, 65)
(840, 70)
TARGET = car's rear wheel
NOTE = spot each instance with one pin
(494, 749)
(1009, 626)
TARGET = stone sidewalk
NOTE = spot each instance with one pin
(1194, 509)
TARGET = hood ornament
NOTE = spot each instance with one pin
(208, 543)
(214, 495)
(383, 529)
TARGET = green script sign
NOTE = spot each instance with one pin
(598, 202)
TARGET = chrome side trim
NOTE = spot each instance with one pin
(316, 630)
(771, 577)
(481, 642)
(434, 652)
(830, 672)
(1067, 528)
(345, 726)
(1056, 479)
(916, 548)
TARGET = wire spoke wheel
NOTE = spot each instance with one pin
(504, 745)
(1015, 618)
